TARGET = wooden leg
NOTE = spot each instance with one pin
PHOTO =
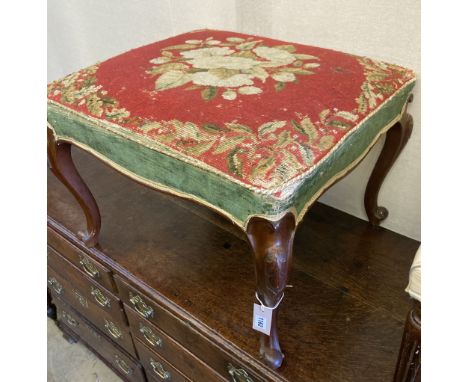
(395, 140)
(61, 164)
(272, 246)
(409, 360)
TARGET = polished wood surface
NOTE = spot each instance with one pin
(341, 320)
(272, 243)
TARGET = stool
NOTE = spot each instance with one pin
(254, 128)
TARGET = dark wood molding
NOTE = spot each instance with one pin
(61, 164)
(409, 359)
(272, 243)
(396, 138)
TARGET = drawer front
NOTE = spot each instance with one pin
(158, 368)
(116, 330)
(94, 292)
(124, 364)
(169, 349)
(81, 260)
(183, 333)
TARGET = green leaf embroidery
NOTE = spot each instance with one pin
(167, 67)
(234, 162)
(270, 127)
(238, 127)
(339, 124)
(247, 45)
(309, 129)
(298, 127)
(305, 57)
(347, 115)
(296, 71)
(326, 142)
(307, 154)
(211, 128)
(323, 115)
(228, 144)
(172, 79)
(262, 167)
(209, 93)
(288, 48)
(199, 148)
(280, 86)
(180, 47)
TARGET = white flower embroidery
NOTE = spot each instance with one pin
(247, 90)
(284, 77)
(229, 95)
(275, 56)
(160, 60)
(227, 62)
(210, 79)
(237, 66)
(207, 52)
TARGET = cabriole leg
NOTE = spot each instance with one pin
(396, 138)
(61, 164)
(272, 246)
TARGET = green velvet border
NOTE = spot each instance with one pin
(238, 202)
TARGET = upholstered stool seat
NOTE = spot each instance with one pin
(251, 127)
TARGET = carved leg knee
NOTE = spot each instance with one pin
(272, 246)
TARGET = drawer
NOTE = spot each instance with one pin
(90, 289)
(158, 368)
(125, 365)
(169, 349)
(182, 332)
(116, 330)
(81, 260)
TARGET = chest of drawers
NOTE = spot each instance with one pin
(165, 295)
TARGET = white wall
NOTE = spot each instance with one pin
(81, 32)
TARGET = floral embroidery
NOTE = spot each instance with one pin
(381, 80)
(237, 65)
(80, 89)
(266, 152)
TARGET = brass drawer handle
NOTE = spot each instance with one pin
(55, 285)
(158, 369)
(113, 329)
(89, 268)
(238, 374)
(152, 338)
(82, 300)
(69, 319)
(100, 298)
(122, 365)
(140, 306)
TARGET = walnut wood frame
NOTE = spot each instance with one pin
(271, 241)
